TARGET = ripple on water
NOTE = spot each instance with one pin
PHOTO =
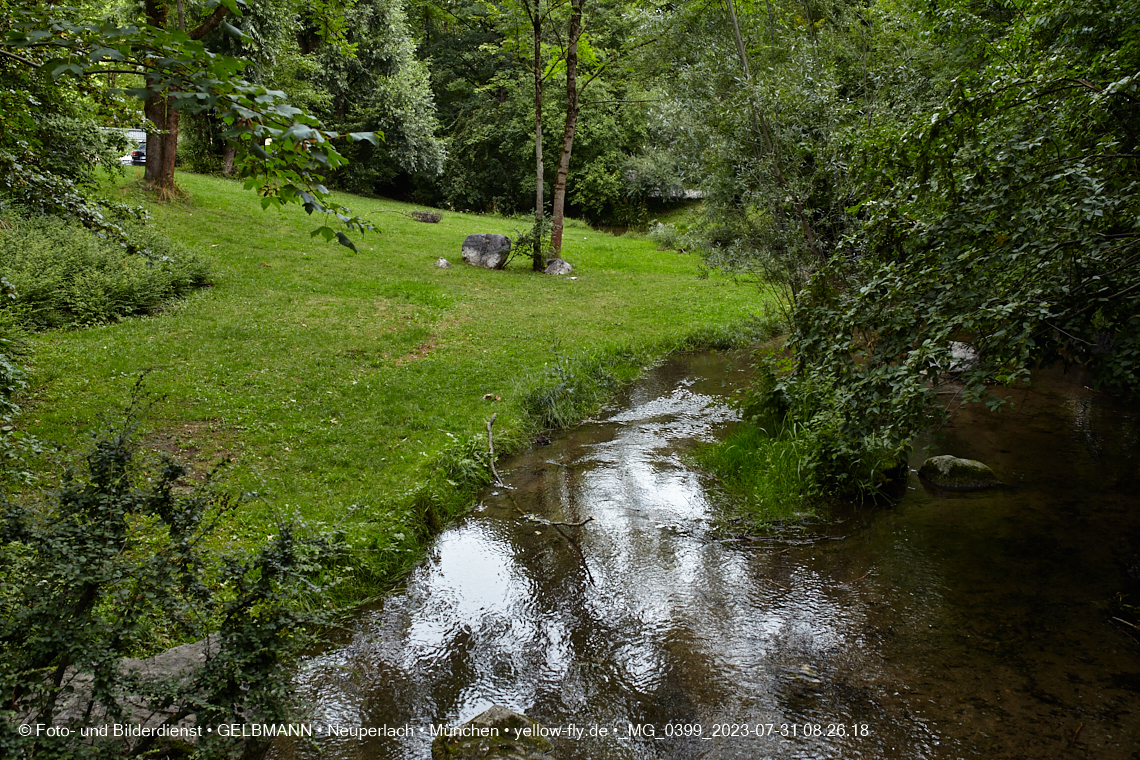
(942, 627)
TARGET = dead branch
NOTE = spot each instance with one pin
(572, 524)
(491, 449)
(577, 550)
(431, 217)
(854, 580)
(1130, 625)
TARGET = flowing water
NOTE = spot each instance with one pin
(943, 626)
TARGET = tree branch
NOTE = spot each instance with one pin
(210, 24)
(21, 59)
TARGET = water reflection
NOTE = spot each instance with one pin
(948, 626)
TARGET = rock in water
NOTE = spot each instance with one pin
(486, 250)
(558, 266)
(959, 474)
(497, 734)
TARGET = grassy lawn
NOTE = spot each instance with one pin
(335, 378)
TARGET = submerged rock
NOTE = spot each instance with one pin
(960, 474)
(497, 734)
(487, 250)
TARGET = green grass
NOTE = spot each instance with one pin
(349, 388)
(760, 468)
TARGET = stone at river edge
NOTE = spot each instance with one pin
(486, 250)
(497, 734)
(960, 474)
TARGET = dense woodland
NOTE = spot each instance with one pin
(895, 177)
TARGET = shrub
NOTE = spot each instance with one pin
(666, 236)
(86, 575)
(64, 275)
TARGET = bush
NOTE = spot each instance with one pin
(64, 275)
(119, 550)
(666, 236)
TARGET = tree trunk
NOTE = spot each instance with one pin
(228, 156)
(162, 140)
(571, 126)
(539, 211)
(161, 143)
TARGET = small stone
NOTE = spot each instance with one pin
(498, 733)
(558, 266)
(958, 474)
(443, 263)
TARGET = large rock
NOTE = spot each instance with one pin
(558, 266)
(497, 734)
(487, 250)
(959, 474)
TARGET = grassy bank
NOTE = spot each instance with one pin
(351, 388)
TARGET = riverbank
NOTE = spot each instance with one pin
(353, 390)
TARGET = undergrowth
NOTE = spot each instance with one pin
(60, 274)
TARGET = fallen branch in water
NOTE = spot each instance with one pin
(854, 580)
(577, 550)
(1073, 741)
(1130, 625)
(572, 524)
(777, 584)
(491, 449)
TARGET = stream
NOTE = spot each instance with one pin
(942, 626)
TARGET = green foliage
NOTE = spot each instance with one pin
(568, 391)
(667, 236)
(480, 56)
(981, 193)
(535, 241)
(1006, 219)
(378, 85)
(84, 574)
(283, 152)
(764, 469)
(63, 275)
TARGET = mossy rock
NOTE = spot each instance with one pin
(958, 474)
(497, 734)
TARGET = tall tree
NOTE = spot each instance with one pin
(572, 94)
(537, 16)
(160, 106)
